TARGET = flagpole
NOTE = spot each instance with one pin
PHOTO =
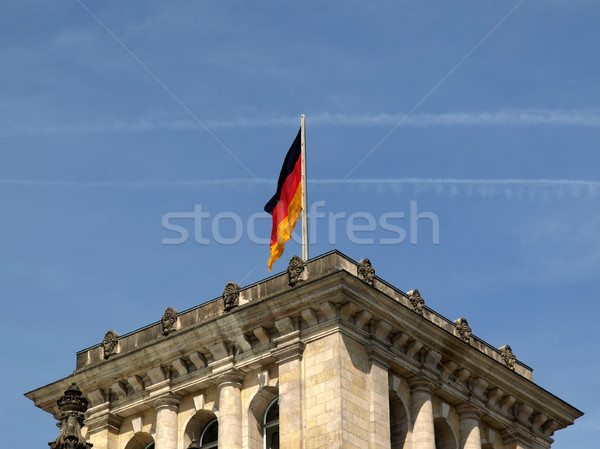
(304, 197)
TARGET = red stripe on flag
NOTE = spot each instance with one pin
(290, 186)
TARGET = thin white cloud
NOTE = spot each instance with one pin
(513, 117)
(511, 189)
(134, 184)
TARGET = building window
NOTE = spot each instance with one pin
(210, 435)
(271, 426)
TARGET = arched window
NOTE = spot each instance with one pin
(141, 440)
(271, 426)
(201, 430)
(210, 435)
(259, 407)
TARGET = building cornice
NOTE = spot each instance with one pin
(274, 321)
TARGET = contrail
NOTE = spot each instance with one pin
(134, 184)
(326, 181)
(512, 117)
(510, 181)
(514, 189)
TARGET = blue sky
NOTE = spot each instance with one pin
(483, 114)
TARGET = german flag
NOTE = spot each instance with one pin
(286, 204)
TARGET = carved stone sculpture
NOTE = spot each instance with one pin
(72, 406)
(366, 272)
(169, 321)
(231, 296)
(417, 302)
(464, 330)
(109, 344)
(508, 356)
(294, 270)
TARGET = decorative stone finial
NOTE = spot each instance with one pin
(508, 356)
(231, 296)
(169, 321)
(464, 330)
(109, 344)
(294, 270)
(366, 272)
(416, 301)
(72, 406)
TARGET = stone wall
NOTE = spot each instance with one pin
(355, 363)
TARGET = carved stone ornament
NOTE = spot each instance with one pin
(169, 321)
(417, 302)
(294, 270)
(366, 272)
(109, 344)
(464, 330)
(72, 408)
(508, 356)
(231, 296)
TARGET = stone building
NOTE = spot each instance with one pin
(325, 356)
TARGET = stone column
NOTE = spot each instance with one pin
(291, 386)
(469, 416)
(423, 434)
(290, 396)
(166, 421)
(379, 401)
(230, 410)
